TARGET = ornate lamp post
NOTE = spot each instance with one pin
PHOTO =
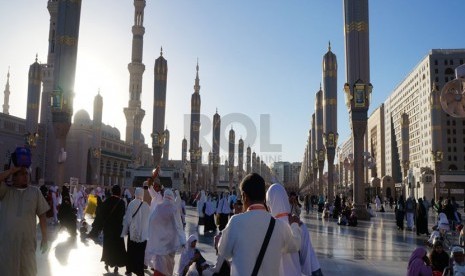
(158, 141)
(357, 101)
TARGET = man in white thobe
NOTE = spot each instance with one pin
(243, 248)
(21, 205)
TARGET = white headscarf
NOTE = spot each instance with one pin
(277, 200)
(187, 254)
(165, 236)
(223, 205)
(294, 263)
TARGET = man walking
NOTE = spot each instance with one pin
(243, 250)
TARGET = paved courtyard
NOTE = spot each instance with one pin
(374, 247)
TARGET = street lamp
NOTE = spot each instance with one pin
(358, 101)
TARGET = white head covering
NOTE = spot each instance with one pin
(164, 236)
(139, 193)
(277, 200)
(187, 254)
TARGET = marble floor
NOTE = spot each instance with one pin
(374, 247)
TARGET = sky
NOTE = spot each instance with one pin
(260, 60)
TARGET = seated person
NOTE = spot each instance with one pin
(438, 257)
(352, 219)
(342, 219)
(191, 255)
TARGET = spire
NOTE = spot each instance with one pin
(329, 46)
(6, 97)
(197, 80)
(161, 51)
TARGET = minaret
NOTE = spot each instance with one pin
(64, 73)
(357, 89)
(97, 139)
(330, 114)
(226, 166)
(216, 147)
(195, 126)
(240, 161)
(248, 161)
(258, 167)
(231, 149)
(320, 150)
(254, 162)
(6, 93)
(33, 97)
(185, 165)
(210, 171)
(166, 147)
(134, 113)
(184, 151)
(49, 156)
(159, 106)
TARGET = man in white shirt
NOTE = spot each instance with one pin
(243, 249)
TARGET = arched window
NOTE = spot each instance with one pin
(449, 71)
(452, 167)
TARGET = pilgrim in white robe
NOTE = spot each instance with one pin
(135, 225)
(223, 210)
(202, 198)
(209, 211)
(164, 236)
(242, 249)
(187, 255)
(293, 264)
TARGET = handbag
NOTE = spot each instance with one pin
(259, 260)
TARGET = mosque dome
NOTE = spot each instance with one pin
(82, 117)
(110, 132)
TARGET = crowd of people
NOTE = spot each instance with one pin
(144, 229)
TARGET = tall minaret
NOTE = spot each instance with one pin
(33, 97)
(240, 161)
(231, 149)
(357, 89)
(184, 151)
(330, 115)
(64, 73)
(97, 139)
(134, 113)
(195, 127)
(254, 162)
(320, 150)
(49, 157)
(248, 161)
(216, 147)
(166, 147)
(6, 93)
(159, 106)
